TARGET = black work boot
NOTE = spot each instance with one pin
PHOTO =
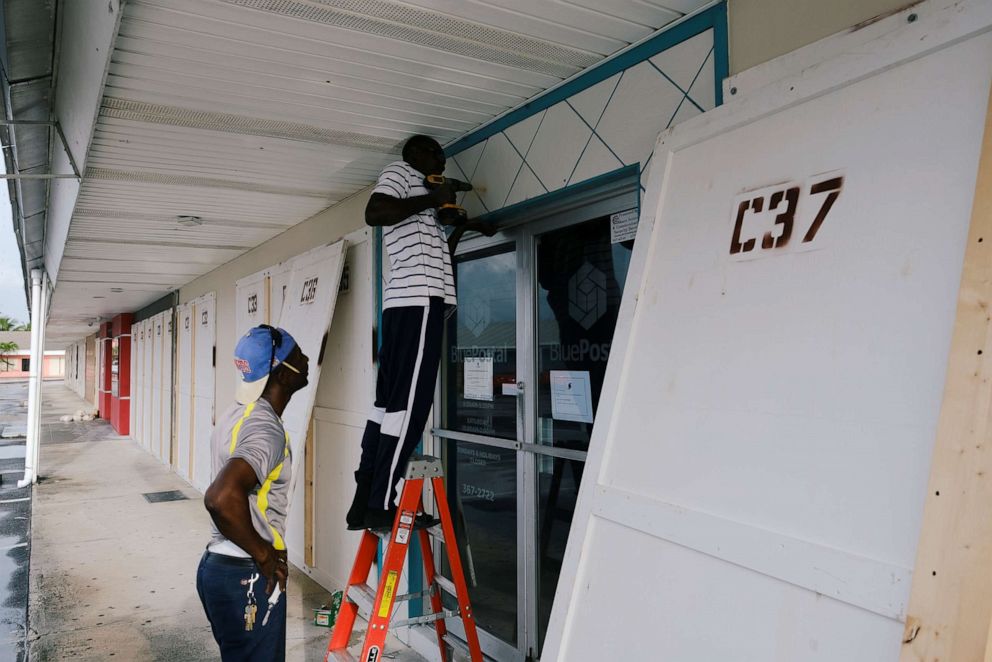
(356, 514)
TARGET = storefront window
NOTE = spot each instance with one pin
(114, 366)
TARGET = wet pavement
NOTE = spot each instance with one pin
(15, 521)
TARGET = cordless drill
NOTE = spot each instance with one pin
(449, 213)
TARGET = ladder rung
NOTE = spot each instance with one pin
(426, 618)
(437, 533)
(446, 585)
(340, 656)
(426, 593)
(362, 595)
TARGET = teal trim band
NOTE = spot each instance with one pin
(721, 51)
(714, 18)
(629, 172)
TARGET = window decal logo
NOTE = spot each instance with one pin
(477, 315)
(587, 295)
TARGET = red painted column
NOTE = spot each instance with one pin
(104, 380)
(120, 388)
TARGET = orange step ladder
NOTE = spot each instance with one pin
(381, 604)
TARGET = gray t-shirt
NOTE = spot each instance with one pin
(255, 434)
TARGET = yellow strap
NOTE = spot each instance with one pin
(263, 496)
(263, 493)
(237, 427)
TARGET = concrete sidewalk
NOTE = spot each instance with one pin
(112, 575)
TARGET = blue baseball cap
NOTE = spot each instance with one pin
(258, 352)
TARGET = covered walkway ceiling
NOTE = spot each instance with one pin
(253, 115)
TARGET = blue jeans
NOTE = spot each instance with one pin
(222, 583)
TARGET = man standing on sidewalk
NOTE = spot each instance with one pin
(421, 289)
(248, 501)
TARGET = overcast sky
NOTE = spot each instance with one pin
(12, 302)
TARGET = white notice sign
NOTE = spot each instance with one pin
(571, 396)
(479, 378)
(623, 226)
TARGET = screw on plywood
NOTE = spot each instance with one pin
(912, 630)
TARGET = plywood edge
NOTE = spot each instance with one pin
(950, 606)
(308, 500)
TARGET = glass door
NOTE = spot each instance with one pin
(580, 273)
(479, 442)
(525, 357)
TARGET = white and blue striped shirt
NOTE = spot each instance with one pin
(419, 264)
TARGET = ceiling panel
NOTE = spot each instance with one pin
(253, 115)
(29, 45)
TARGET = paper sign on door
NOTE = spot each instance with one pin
(571, 396)
(479, 378)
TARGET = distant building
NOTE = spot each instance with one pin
(16, 364)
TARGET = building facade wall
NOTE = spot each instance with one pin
(761, 30)
(11, 364)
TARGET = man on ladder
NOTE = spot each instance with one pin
(420, 291)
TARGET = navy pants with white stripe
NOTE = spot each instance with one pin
(404, 393)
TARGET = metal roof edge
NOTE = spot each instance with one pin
(14, 191)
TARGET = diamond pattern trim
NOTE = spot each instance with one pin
(669, 79)
(599, 119)
(524, 163)
(577, 138)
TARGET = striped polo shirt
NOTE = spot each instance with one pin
(419, 264)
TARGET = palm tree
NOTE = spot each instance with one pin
(11, 324)
(7, 348)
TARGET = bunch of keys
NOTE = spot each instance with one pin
(251, 607)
